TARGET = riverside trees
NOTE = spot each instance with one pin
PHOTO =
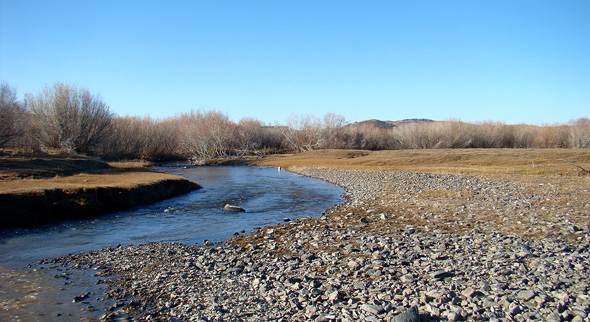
(11, 115)
(65, 117)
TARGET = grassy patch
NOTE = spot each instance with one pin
(39, 188)
(563, 162)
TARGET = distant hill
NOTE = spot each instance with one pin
(387, 124)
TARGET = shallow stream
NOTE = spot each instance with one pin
(268, 195)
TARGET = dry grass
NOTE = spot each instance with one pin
(27, 172)
(541, 170)
(44, 188)
(552, 199)
(85, 181)
(561, 162)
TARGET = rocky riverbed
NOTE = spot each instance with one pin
(444, 247)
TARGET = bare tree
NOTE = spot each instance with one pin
(579, 136)
(303, 133)
(11, 115)
(332, 131)
(206, 135)
(69, 118)
(250, 134)
(141, 138)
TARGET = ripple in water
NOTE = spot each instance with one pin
(268, 195)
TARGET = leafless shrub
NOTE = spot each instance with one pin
(65, 117)
(579, 133)
(303, 132)
(141, 138)
(12, 116)
(273, 140)
(456, 134)
(249, 136)
(308, 132)
(205, 135)
(69, 118)
(333, 136)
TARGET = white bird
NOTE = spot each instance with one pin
(279, 168)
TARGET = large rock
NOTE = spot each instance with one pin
(410, 315)
(233, 208)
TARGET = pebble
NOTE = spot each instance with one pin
(401, 245)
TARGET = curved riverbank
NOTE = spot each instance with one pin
(37, 188)
(453, 246)
(80, 196)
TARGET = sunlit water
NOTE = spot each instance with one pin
(268, 195)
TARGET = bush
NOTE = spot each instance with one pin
(69, 118)
(141, 138)
(12, 116)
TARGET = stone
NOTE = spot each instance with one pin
(432, 309)
(470, 292)
(579, 312)
(514, 309)
(334, 296)
(490, 303)
(453, 316)
(554, 317)
(233, 208)
(526, 295)
(408, 278)
(440, 274)
(410, 315)
(79, 298)
(372, 308)
(310, 311)
(353, 264)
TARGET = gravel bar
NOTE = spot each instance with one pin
(402, 247)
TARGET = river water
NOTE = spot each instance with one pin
(268, 195)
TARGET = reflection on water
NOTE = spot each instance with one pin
(268, 195)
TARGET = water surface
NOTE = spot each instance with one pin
(268, 195)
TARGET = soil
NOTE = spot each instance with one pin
(40, 188)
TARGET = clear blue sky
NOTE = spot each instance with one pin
(510, 61)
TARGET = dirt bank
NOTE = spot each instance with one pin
(73, 187)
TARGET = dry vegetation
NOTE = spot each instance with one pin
(30, 171)
(66, 118)
(36, 188)
(553, 188)
(563, 162)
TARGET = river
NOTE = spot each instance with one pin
(269, 196)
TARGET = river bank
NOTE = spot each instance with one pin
(37, 189)
(453, 247)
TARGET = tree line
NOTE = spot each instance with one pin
(64, 117)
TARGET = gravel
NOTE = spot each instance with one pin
(444, 247)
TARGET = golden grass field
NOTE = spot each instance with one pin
(35, 189)
(27, 172)
(567, 167)
(537, 169)
(466, 161)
